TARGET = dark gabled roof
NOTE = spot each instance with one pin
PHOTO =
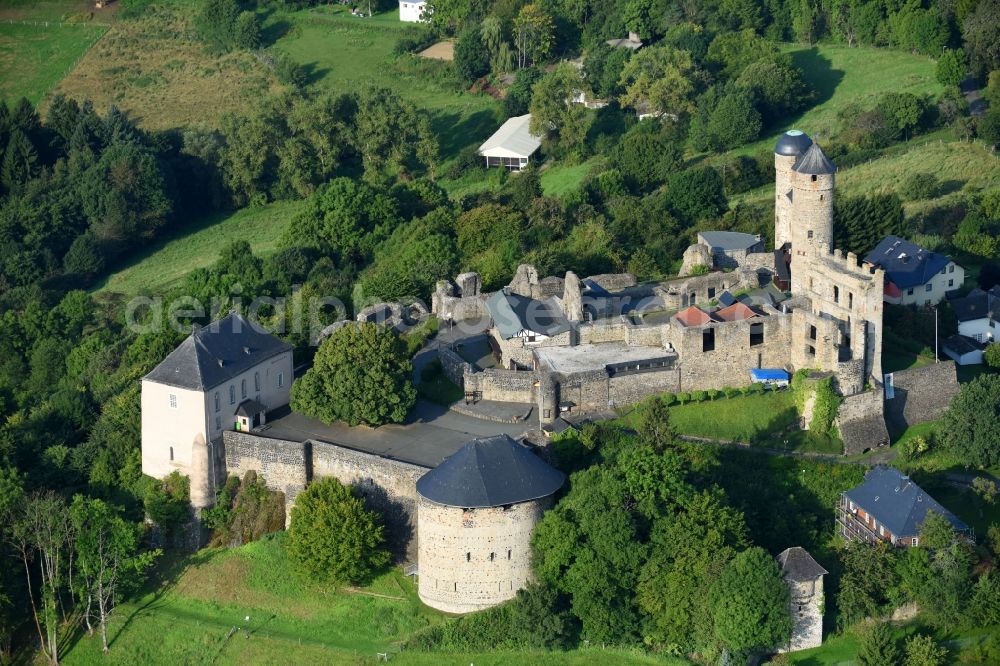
(905, 263)
(793, 142)
(250, 408)
(814, 162)
(897, 502)
(961, 344)
(978, 304)
(487, 472)
(726, 299)
(799, 566)
(513, 313)
(729, 240)
(781, 266)
(216, 353)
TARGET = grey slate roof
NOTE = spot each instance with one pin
(906, 263)
(216, 353)
(250, 408)
(728, 240)
(961, 344)
(897, 502)
(978, 304)
(793, 142)
(488, 472)
(513, 313)
(798, 565)
(814, 161)
(726, 299)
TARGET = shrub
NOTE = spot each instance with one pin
(825, 408)
(668, 399)
(683, 397)
(698, 396)
(712, 394)
(992, 355)
(920, 185)
(333, 537)
(730, 392)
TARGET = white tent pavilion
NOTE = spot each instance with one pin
(512, 145)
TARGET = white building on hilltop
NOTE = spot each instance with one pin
(412, 11)
(512, 145)
(224, 376)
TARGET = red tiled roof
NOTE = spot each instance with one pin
(694, 316)
(891, 290)
(735, 312)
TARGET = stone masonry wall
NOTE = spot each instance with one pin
(861, 423)
(503, 385)
(454, 367)
(603, 331)
(921, 394)
(283, 464)
(628, 389)
(388, 486)
(472, 559)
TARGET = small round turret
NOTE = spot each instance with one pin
(792, 143)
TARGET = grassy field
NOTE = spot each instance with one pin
(166, 263)
(157, 70)
(842, 76)
(33, 58)
(344, 52)
(559, 179)
(188, 618)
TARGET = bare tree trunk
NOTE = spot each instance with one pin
(86, 614)
(31, 597)
(104, 619)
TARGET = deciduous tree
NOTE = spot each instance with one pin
(750, 603)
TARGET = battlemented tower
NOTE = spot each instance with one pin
(811, 221)
(790, 147)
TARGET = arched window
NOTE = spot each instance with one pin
(243, 388)
(171, 454)
(232, 394)
(836, 294)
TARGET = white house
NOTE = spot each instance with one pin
(412, 11)
(224, 376)
(963, 350)
(913, 275)
(978, 313)
(512, 145)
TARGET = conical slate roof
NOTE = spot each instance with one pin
(489, 472)
(814, 162)
(798, 565)
(793, 142)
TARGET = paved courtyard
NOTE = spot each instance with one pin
(430, 434)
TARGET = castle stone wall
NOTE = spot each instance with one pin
(861, 423)
(388, 486)
(610, 330)
(503, 385)
(284, 465)
(628, 389)
(921, 394)
(454, 367)
(471, 559)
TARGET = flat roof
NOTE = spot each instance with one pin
(587, 357)
(430, 434)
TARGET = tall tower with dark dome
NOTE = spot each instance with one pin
(790, 147)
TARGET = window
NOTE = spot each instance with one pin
(850, 300)
(909, 292)
(928, 287)
(508, 554)
(944, 270)
(814, 178)
(836, 294)
(468, 557)
(218, 423)
(173, 401)
(256, 381)
(281, 379)
(708, 339)
(951, 283)
(216, 401)
(493, 556)
(243, 388)
(951, 269)
(171, 454)
(809, 234)
(810, 350)
(916, 541)
(756, 334)
(232, 394)
(812, 332)
(711, 292)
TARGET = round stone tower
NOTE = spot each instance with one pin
(475, 515)
(790, 147)
(811, 222)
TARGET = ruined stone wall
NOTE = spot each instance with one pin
(861, 423)
(679, 294)
(471, 559)
(454, 367)
(283, 464)
(503, 385)
(388, 486)
(816, 349)
(729, 364)
(921, 394)
(588, 391)
(647, 335)
(608, 330)
(628, 389)
(613, 282)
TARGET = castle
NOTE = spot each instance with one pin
(590, 345)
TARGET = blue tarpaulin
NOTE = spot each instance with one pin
(768, 375)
